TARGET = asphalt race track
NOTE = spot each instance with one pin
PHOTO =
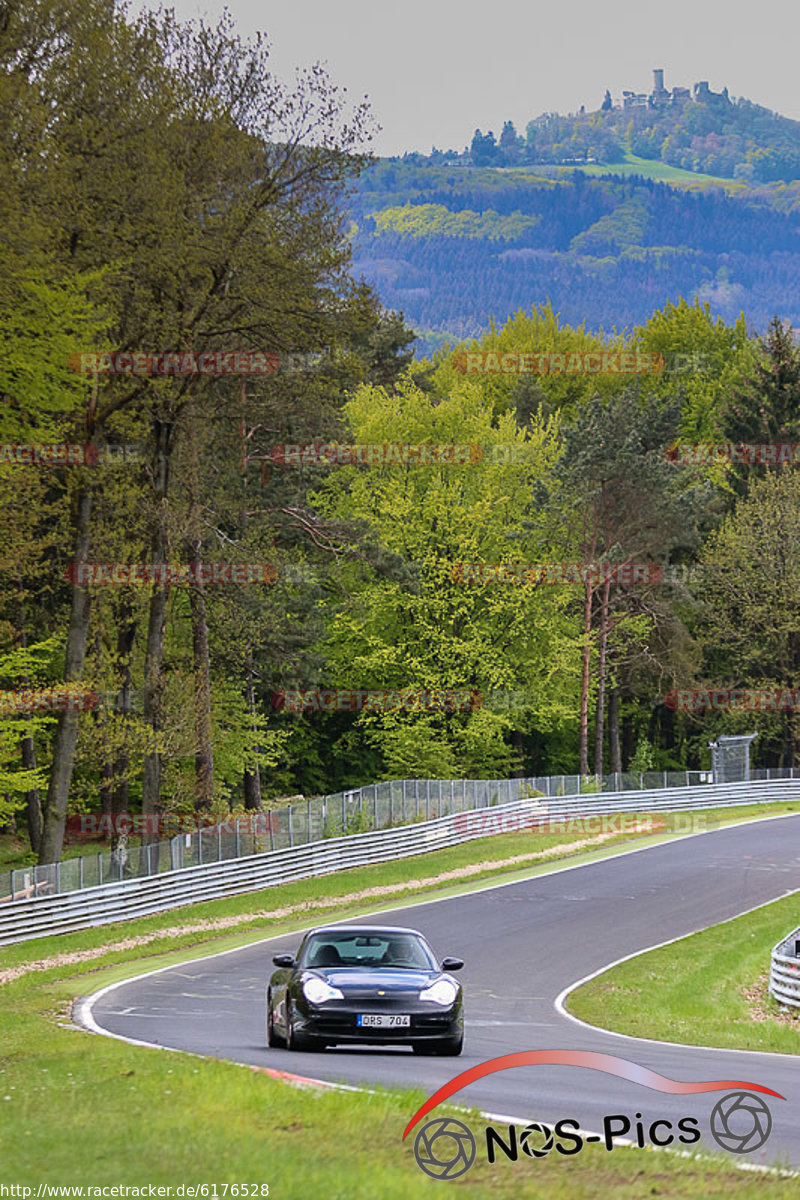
(523, 943)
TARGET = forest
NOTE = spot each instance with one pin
(183, 299)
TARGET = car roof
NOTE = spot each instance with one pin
(364, 929)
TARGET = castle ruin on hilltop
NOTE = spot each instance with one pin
(664, 97)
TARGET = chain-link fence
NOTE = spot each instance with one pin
(376, 806)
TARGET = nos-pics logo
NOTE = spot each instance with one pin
(445, 1148)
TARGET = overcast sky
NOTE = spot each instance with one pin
(435, 70)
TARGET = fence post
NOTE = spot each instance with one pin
(404, 801)
(416, 797)
(271, 832)
(219, 843)
(58, 876)
(391, 802)
(80, 873)
(13, 888)
(291, 831)
(344, 813)
(439, 807)
(200, 847)
(308, 821)
(641, 782)
(100, 867)
(665, 779)
(238, 840)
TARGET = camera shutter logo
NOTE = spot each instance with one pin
(740, 1122)
(444, 1148)
(527, 1143)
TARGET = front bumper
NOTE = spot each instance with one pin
(336, 1022)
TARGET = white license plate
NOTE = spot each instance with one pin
(383, 1020)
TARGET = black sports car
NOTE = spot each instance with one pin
(357, 983)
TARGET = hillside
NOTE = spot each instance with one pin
(455, 246)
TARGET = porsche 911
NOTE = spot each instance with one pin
(365, 984)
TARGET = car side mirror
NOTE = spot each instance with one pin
(452, 964)
(283, 960)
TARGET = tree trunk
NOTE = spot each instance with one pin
(601, 684)
(67, 726)
(33, 804)
(154, 649)
(251, 779)
(203, 754)
(126, 633)
(613, 730)
(587, 655)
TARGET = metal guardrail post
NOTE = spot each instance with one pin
(238, 839)
(374, 806)
(80, 873)
(291, 831)
(308, 821)
(404, 801)
(58, 877)
(271, 832)
(13, 888)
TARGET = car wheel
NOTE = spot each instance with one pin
(273, 1039)
(295, 1040)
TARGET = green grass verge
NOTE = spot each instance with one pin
(708, 989)
(78, 1109)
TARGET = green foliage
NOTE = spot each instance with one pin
(434, 220)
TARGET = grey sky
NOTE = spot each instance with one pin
(434, 70)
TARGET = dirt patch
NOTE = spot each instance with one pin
(763, 1008)
(218, 924)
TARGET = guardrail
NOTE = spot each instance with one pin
(375, 806)
(40, 916)
(784, 970)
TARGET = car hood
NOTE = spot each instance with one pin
(370, 979)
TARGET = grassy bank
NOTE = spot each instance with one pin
(709, 989)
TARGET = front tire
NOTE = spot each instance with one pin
(296, 1041)
(274, 1039)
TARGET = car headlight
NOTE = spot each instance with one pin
(443, 992)
(317, 991)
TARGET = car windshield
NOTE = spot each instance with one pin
(367, 950)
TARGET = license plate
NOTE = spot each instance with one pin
(383, 1020)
